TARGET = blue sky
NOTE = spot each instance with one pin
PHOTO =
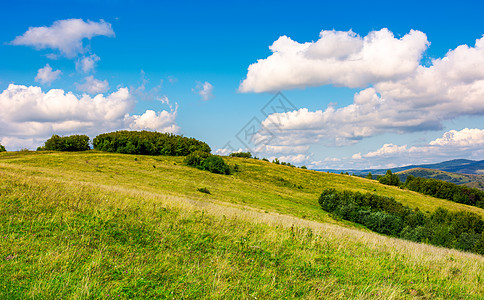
(181, 66)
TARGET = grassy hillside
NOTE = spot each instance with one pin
(476, 181)
(97, 225)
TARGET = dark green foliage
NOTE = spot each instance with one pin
(369, 176)
(205, 161)
(446, 190)
(304, 167)
(459, 230)
(203, 190)
(276, 161)
(265, 159)
(195, 159)
(288, 164)
(215, 164)
(241, 154)
(389, 179)
(148, 143)
(2, 148)
(66, 143)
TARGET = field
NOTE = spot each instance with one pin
(92, 225)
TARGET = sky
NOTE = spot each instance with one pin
(354, 84)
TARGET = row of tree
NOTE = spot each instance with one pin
(66, 143)
(436, 188)
(460, 230)
(149, 143)
(446, 190)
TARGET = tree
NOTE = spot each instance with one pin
(2, 148)
(390, 179)
(369, 176)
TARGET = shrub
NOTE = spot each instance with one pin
(215, 164)
(241, 154)
(195, 159)
(461, 230)
(2, 148)
(148, 143)
(203, 190)
(66, 143)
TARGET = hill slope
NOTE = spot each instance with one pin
(476, 181)
(96, 225)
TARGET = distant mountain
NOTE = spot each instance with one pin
(462, 166)
(475, 181)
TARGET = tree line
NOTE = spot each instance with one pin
(437, 188)
(459, 230)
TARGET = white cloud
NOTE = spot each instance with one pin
(46, 75)
(452, 86)
(464, 138)
(87, 63)
(339, 57)
(64, 35)
(162, 121)
(28, 114)
(205, 90)
(93, 86)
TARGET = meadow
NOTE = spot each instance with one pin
(94, 225)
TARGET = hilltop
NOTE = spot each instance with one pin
(97, 225)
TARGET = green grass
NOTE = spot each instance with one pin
(88, 225)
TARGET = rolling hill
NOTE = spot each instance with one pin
(475, 181)
(111, 226)
(461, 166)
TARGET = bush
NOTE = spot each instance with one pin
(215, 164)
(148, 143)
(203, 190)
(195, 159)
(461, 230)
(2, 148)
(66, 143)
(241, 154)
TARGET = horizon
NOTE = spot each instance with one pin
(331, 86)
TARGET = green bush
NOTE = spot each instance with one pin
(241, 154)
(2, 148)
(460, 230)
(66, 143)
(203, 190)
(215, 164)
(148, 143)
(195, 159)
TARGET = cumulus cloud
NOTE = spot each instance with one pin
(64, 35)
(87, 64)
(451, 87)
(340, 58)
(205, 90)
(163, 121)
(46, 75)
(28, 114)
(93, 86)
